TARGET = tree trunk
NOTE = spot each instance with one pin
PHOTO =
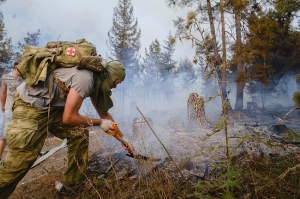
(224, 57)
(240, 80)
(217, 60)
(196, 111)
(239, 95)
(213, 34)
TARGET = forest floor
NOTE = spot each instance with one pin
(179, 163)
(38, 182)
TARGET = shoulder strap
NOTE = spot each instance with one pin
(50, 94)
(61, 85)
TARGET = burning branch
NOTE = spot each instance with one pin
(279, 119)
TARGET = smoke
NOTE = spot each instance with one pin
(166, 113)
(170, 100)
(159, 102)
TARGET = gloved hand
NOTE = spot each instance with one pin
(127, 145)
(106, 125)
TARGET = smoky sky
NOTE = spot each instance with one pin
(92, 19)
(89, 19)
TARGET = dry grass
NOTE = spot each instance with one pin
(199, 169)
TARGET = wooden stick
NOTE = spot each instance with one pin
(280, 177)
(161, 143)
(290, 111)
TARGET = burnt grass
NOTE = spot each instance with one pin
(118, 176)
(107, 181)
(255, 178)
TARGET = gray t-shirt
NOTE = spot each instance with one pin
(38, 95)
(10, 83)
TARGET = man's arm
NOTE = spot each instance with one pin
(71, 115)
(104, 115)
(3, 98)
(125, 144)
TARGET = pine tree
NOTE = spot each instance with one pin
(168, 64)
(156, 59)
(151, 70)
(167, 67)
(6, 49)
(239, 10)
(159, 59)
(284, 54)
(124, 44)
(272, 47)
(187, 72)
(192, 29)
(124, 36)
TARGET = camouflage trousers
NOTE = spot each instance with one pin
(25, 137)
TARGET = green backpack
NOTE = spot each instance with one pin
(68, 54)
(39, 62)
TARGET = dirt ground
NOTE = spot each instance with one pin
(105, 151)
(38, 181)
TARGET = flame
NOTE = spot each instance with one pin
(279, 119)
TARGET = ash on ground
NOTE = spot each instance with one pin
(198, 151)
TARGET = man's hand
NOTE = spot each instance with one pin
(106, 125)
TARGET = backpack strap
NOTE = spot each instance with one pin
(61, 85)
(50, 94)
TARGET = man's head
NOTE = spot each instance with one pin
(116, 73)
(16, 72)
(17, 63)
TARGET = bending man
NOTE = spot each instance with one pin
(33, 118)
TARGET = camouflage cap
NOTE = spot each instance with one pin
(116, 70)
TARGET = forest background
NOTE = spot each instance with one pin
(230, 52)
(254, 46)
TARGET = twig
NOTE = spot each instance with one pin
(280, 177)
(87, 180)
(198, 176)
(290, 170)
(290, 111)
(111, 165)
(161, 143)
